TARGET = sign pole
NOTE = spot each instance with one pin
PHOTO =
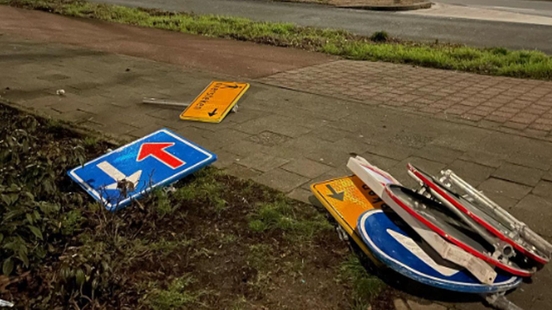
(163, 102)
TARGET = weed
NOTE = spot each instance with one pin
(365, 286)
(281, 216)
(260, 256)
(204, 187)
(239, 304)
(228, 238)
(175, 296)
(380, 36)
(163, 205)
(90, 141)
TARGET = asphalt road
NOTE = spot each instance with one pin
(482, 33)
(536, 8)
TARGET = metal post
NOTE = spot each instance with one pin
(163, 102)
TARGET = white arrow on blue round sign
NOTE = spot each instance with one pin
(129, 172)
(397, 249)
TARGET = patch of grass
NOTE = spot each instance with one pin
(260, 258)
(175, 296)
(366, 287)
(281, 216)
(204, 187)
(378, 47)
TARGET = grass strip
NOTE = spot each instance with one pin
(379, 47)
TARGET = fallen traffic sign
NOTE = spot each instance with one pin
(129, 172)
(389, 239)
(443, 222)
(346, 198)
(214, 103)
(377, 179)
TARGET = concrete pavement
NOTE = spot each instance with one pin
(284, 138)
(403, 25)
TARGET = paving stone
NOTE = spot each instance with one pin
(482, 158)
(273, 123)
(300, 194)
(281, 180)
(112, 129)
(412, 139)
(245, 148)
(417, 306)
(535, 212)
(400, 304)
(391, 151)
(228, 136)
(439, 154)
(351, 145)
(537, 161)
(519, 174)
(307, 168)
(494, 186)
(330, 156)
(262, 162)
(330, 134)
(499, 143)
(76, 117)
(225, 159)
(548, 176)
(471, 172)
(242, 171)
(459, 137)
(269, 138)
(543, 189)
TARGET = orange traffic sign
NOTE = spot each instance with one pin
(347, 198)
(214, 103)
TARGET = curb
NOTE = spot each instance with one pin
(406, 7)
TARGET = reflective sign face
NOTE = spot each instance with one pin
(214, 103)
(392, 243)
(348, 196)
(346, 199)
(132, 170)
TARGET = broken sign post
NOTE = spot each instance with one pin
(214, 103)
(130, 171)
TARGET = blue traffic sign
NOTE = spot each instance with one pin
(391, 245)
(129, 172)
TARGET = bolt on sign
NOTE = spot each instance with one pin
(214, 103)
(347, 198)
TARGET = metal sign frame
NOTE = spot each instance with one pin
(423, 209)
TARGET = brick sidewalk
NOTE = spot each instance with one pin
(524, 105)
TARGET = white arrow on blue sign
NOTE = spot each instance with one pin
(129, 172)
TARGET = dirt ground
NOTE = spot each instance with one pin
(216, 242)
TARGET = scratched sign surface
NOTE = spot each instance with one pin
(134, 169)
(214, 103)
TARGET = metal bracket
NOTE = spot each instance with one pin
(169, 103)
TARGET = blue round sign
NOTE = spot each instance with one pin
(395, 248)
